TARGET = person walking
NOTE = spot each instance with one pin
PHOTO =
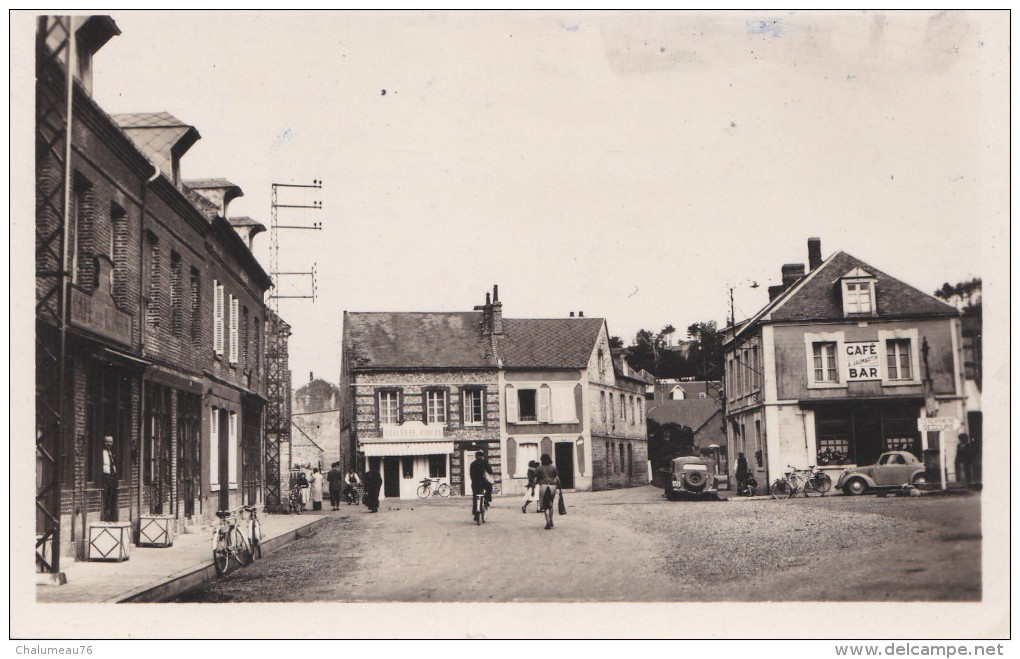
(335, 477)
(548, 481)
(529, 489)
(302, 487)
(315, 489)
(110, 481)
(740, 472)
(373, 483)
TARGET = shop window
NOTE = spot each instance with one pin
(473, 408)
(898, 359)
(824, 354)
(389, 407)
(435, 406)
(407, 466)
(437, 466)
(834, 432)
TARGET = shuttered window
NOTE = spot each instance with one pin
(217, 318)
(214, 449)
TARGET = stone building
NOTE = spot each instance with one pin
(163, 317)
(315, 429)
(424, 391)
(838, 367)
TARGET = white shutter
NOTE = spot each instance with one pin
(544, 404)
(232, 451)
(234, 316)
(511, 404)
(564, 408)
(217, 318)
(214, 450)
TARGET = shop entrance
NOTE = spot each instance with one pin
(391, 477)
(564, 461)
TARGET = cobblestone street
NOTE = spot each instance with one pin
(629, 545)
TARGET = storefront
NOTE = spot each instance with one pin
(857, 432)
(403, 465)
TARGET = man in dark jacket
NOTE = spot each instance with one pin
(479, 483)
(373, 483)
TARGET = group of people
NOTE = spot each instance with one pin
(968, 459)
(310, 488)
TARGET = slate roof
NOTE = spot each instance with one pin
(548, 342)
(690, 412)
(820, 298)
(157, 132)
(205, 183)
(416, 340)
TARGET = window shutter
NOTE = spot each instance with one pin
(234, 313)
(217, 318)
(214, 450)
(232, 451)
(547, 447)
(580, 455)
(511, 404)
(544, 404)
(511, 457)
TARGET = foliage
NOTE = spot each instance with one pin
(668, 440)
(700, 357)
(965, 295)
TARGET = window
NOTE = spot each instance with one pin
(155, 285)
(834, 430)
(217, 318)
(437, 466)
(81, 232)
(745, 373)
(824, 354)
(755, 370)
(118, 251)
(621, 457)
(234, 314)
(214, 449)
(389, 407)
(525, 454)
(244, 338)
(623, 407)
(407, 466)
(435, 406)
(897, 353)
(858, 297)
(526, 405)
(473, 408)
(232, 451)
(602, 404)
(176, 295)
(196, 309)
(258, 347)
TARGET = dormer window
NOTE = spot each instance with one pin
(858, 292)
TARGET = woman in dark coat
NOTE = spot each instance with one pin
(373, 483)
(336, 480)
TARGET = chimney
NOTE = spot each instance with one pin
(580, 314)
(775, 291)
(496, 314)
(311, 376)
(571, 314)
(814, 253)
(486, 310)
(791, 273)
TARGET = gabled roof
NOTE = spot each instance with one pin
(691, 412)
(158, 134)
(548, 342)
(384, 340)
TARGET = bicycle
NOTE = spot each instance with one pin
(254, 532)
(228, 542)
(479, 507)
(748, 488)
(425, 490)
(795, 480)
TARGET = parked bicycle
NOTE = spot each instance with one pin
(425, 490)
(254, 531)
(810, 481)
(479, 508)
(748, 488)
(228, 542)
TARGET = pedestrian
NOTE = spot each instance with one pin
(741, 473)
(315, 489)
(335, 477)
(962, 461)
(529, 489)
(351, 489)
(110, 481)
(548, 480)
(481, 478)
(302, 485)
(373, 483)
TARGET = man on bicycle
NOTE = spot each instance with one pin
(481, 477)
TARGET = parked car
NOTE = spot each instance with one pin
(690, 477)
(894, 469)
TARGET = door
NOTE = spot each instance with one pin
(391, 477)
(224, 461)
(564, 461)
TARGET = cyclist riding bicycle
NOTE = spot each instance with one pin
(481, 478)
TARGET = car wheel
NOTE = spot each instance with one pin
(694, 480)
(855, 486)
(919, 479)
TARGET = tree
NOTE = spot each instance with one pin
(615, 342)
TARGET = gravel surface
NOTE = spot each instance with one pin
(631, 545)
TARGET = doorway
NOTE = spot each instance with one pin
(391, 477)
(564, 461)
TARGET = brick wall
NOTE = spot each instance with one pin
(607, 470)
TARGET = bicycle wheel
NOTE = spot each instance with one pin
(810, 487)
(256, 541)
(444, 490)
(221, 553)
(822, 482)
(780, 489)
(241, 551)
(481, 514)
(424, 491)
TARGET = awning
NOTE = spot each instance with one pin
(378, 449)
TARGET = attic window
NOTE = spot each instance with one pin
(858, 292)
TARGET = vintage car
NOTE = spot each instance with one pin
(690, 477)
(894, 469)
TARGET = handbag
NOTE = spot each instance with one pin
(563, 506)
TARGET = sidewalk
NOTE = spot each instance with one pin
(154, 574)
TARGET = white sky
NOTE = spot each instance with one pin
(633, 166)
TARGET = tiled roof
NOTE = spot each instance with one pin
(548, 342)
(820, 296)
(157, 132)
(203, 183)
(407, 340)
(691, 412)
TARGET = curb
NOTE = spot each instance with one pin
(194, 576)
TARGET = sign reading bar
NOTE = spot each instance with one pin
(862, 361)
(937, 423)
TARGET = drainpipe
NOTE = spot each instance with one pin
(141, 339)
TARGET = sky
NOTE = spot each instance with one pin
(633, 166)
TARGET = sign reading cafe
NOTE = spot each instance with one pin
(862, 361)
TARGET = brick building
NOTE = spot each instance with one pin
(163, 318)
(424, 391)
(838, 367)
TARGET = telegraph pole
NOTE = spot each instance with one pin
(277, 423)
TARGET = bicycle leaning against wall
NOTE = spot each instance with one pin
(228, 542)
(810, 481)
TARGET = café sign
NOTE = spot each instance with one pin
(862, 361)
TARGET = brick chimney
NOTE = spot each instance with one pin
(814, 253)
(496, 314)
(791, 273)
(775, 291)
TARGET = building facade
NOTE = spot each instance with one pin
(425, 391)
(839, 367)
(315, 425)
